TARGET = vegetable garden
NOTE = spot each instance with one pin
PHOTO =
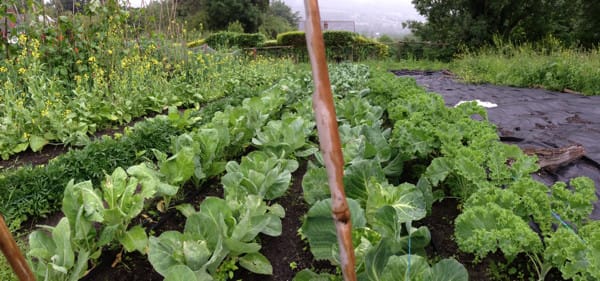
(227, 181)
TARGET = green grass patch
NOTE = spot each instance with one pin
(549, 66)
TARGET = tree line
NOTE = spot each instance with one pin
(475, 23)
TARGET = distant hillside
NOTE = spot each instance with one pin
(370, 17)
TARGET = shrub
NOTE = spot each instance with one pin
(339, 38)
(247, 40)
(221, 39)
(225, 40)
(270, 43)
(293, 38)
(195, 43)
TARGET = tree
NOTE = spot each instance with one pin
(222, 12)
(588, 25)
(279, 18)
(474, 22)
(280, 9)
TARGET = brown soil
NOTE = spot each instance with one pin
(283, 251)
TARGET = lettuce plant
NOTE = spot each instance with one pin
(260, 174)
(221, 229)
(93, 219)
(286, 137)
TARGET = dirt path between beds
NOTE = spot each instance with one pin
(532, 118)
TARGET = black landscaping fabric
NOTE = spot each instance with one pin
(532, 118)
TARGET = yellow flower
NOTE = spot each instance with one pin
(78, 62)
(92, 59)
(110, 52)
(22, 70)
(22, 38)
(3, 69)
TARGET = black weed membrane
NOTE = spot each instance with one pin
(532, 119)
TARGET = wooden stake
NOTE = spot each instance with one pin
(13, 254)
(329, 138)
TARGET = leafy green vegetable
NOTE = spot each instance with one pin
(319, 228)
(417, 268)
(286, 137)
(222, 228)
(485, 229)
(576, 255)
(258, 173)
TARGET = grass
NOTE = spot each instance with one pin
(546, 65)
(409, 64)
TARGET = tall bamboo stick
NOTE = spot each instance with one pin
(13, 254)
(329, 138)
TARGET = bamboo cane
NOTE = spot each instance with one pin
(329, 138)
(13, 254)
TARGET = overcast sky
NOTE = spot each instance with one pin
(403, 6)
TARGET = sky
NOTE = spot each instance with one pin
(384, 5)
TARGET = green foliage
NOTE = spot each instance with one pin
(234, 39)
(286, 137)
(466, 23)
(338, 38)
(319, 228)
(36, 191)
(547, 64)
(498, 219)
(222, 228)
(235, 26)
(292, 38)
(416, 268)
(258, 173)
(93, 219)
(340, 45)
(576, 254)
(223, 12)
(196, 43)
(484, 229)
(278, 8)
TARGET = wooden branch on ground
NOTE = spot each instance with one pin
(552, 158)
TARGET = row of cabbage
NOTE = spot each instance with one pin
(100, 218)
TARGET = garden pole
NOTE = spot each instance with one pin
(329, 138)
(13, 254)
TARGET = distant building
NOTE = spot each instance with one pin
(339, 25)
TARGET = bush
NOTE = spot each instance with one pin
(339, 38)
(340, 45)
(225, 40)
(247, 40)
(221, 39)
(293, 38)
(270, 43)
(195, 43)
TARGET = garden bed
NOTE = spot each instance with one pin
(532, 118)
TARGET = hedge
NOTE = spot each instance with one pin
(340, 45)
(226, 40)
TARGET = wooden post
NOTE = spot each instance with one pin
(13, 254)
(329, 138)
